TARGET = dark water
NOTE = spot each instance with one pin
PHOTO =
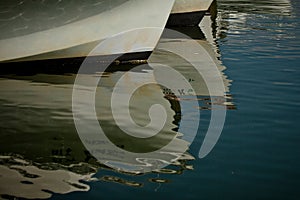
(256, 157)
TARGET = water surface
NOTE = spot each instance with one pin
(256, 45)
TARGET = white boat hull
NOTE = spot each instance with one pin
(184, 6)
(78, 38)
(188, 12)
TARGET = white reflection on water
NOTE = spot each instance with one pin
(280, 7)
(21, 179)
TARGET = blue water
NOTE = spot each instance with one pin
(258, 153)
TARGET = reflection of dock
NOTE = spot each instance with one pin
(281, 7)
(234, 13)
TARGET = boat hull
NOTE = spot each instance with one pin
(79, 38)
(188, 13)
(186, 6)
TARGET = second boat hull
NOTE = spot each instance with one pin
(188, 13)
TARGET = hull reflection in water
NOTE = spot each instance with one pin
(205, 88)
(41, 152)
(40, 132)
(21, 179)
(142, 144)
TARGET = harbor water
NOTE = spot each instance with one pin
(255, 47)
